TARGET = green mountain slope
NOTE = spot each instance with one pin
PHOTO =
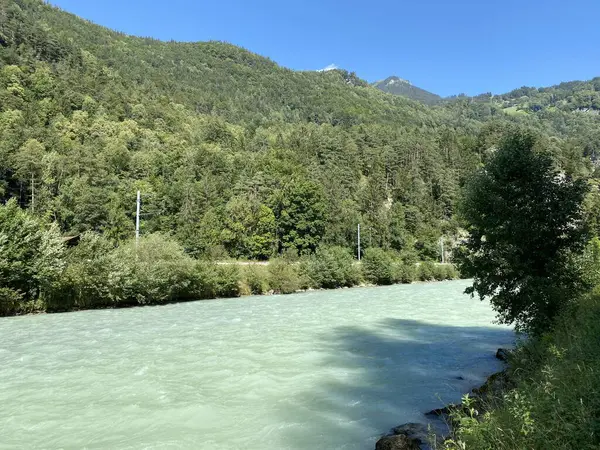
(232, 153)
(572, 96)
(398, 86)
(208, 77)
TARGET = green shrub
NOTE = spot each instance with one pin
(450, 272)
(216, 253)
(228, 279)
(90, 279)
(332, 267)
(439, 272)
(256, 277)
(205, 274)
(407, 273)
(409, 256)
(426, 271)
(31, 257)
(290, 255)
(161, 271)
(10, 301)
(156, 271)
(284, 277)
(378, 266)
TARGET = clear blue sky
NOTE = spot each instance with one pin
(446, 46)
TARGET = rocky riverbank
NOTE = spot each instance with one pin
(421, 436)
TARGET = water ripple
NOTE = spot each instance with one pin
(320, 370)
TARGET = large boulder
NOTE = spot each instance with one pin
(494, 385)
(410, 436)
(398, 442)
(442, 412)
(502, 354)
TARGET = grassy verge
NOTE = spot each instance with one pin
(555, 399)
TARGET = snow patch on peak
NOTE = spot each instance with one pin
(328, 68)
(398, 80)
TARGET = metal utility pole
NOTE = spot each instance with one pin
(442, 245)
(32, 194)
(137, 220)
(359, 241)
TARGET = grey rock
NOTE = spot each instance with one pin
(445, 411)
(495, 384)
(412, 430)
(398, 442)
(410, 436)
(502, 354)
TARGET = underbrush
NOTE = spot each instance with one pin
(335, 267)
(556, 401)
(332, 267)
(156, 271)
(38, 273)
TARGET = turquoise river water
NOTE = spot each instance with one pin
(318, 370)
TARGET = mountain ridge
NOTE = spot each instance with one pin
(403, 88)
(399, 86)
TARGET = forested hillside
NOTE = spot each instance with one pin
(582, 96)
(233, 153)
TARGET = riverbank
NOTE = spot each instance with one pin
(547, 398)
(443, 422)
(40, 307)
(95, 275)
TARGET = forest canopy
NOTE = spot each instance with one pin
(237, 156)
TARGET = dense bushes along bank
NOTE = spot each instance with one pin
(553, 400)
(39, 273)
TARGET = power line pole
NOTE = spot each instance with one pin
(32, 194)
(442, 245)
(359, 241)
(137, 220)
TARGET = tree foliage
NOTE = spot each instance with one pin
(525, 223)
(31, 257)
(236, 156)
(215, 136)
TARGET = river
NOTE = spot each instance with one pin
(318, 370)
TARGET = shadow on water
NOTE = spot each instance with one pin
(377, 379)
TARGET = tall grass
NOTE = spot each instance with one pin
(556, 401)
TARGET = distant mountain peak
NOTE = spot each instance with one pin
(399, 86)
(389, 81)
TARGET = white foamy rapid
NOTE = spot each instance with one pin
(320, 370)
